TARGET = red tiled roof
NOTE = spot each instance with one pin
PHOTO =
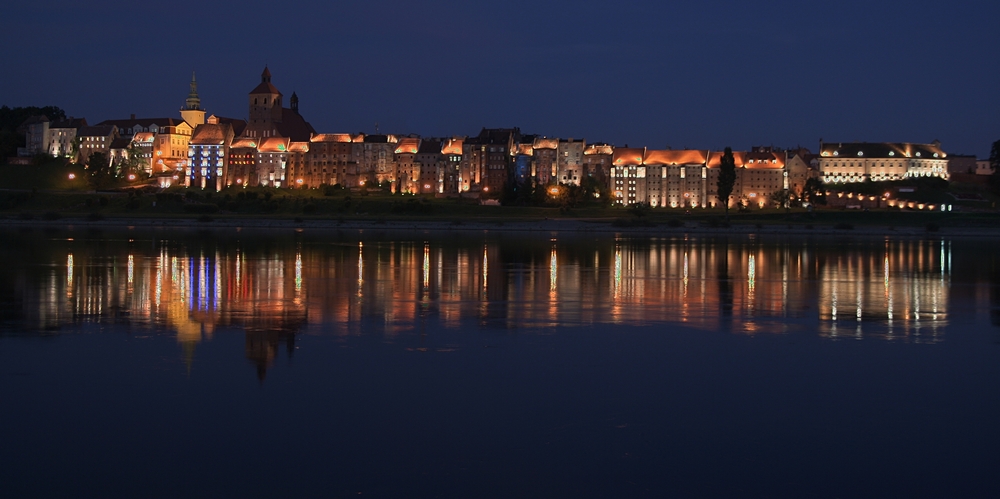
(715, 159)
(598, 149)
(330, 137)
(678, 157)
(408, 145)
(546, 143)
(274, 144)
(628, 156)
(265, 87)
(453, 146)
(212, 134)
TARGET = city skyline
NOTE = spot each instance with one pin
(636, 74)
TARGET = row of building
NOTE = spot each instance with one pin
(277, 147)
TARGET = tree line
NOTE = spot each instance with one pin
(11, 119)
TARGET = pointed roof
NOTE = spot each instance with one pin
(265, 86)
(193, 101)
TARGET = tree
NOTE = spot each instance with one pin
(781, 198)
(727, 179)
(813, 191)
(11, 119)
(101, 172)
(133, 164)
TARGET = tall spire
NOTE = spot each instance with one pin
(193, 102)
(265, 77)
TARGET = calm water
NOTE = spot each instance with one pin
(248, 364)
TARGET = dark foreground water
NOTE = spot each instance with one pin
(239, 364)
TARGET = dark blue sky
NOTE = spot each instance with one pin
(701, 74)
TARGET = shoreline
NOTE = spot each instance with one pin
(552, 225)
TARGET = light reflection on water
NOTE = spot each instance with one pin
(192, 286)
(895, 289)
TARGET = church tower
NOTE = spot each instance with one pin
(192, 112)
(265, 104)
(294, 102)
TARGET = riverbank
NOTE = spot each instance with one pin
(621, 227)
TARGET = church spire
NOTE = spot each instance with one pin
(192, 112)
(193, 101)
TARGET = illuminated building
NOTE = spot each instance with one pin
(597, 160)
(272, 129)
(689, 178)
(431, 166)
(242, 163)
(328, 161)
(407, 168)
(802, 165)
(54, 138)
(524, 161)
(451, 152)
(373, 155)
(269, 119)
(759, 173)
(272, 161)
(569, 160)
(488, 159)
(95, 139)
(847, 162)
(628, 176)
(208, 162)
(62, 135)
(545, 163)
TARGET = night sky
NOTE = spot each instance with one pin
(700, 74)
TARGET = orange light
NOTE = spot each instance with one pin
(299, 181)
(554, 191)
(72, 176)
(131, 177)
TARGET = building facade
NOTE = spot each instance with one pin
(846, 162)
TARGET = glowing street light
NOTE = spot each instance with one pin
(72, 176)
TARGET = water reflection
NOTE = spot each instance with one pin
(273, 288)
